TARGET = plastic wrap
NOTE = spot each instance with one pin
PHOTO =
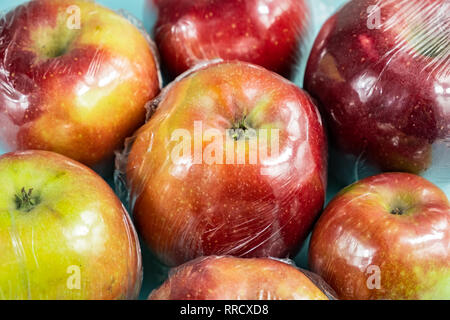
(64, 234)
(231, 162)
(262, 32)
(230, 278)
(380, 71)
(385, 237)
(74, 79)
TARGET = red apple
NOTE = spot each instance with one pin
(63, 232)
(228, 196)
(74, 79)
(385, 237)
(380, 72)
(266, 33)
(230, 278)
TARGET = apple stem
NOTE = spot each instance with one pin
(25, 200)
(238, 130)
(397, 211)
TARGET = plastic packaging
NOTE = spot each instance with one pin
(262, 32)
(230, 278)
(74, 79)
(231, 162)
(380, 71)
(385, 237)
(64, 234)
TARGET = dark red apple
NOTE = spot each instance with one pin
(74, 79)
(380, 71)
(200, 180)
(230, 278)
(385, 237)
(262, 32)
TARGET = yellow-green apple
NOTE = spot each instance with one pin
(63, 232)
(74, 79)
(231, 278)
(233, 162)
(266, 33)
(380, 72)
(385, 237)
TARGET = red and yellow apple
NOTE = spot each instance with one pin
(379, 70)
(63, 232)
(74, 79)
(228, 196)
(262, 32)
(231, 278)
(385, 237)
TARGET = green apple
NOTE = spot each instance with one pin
(63, 232)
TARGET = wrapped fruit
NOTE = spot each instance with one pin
(380, 71)
(267, 33)
(232, 162)
(74, 79)
(64, 234)
(230, 278)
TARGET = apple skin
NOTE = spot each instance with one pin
(411, 250)
(187, 210)
(78, 92)
(265, 33)
(231, 278)
(384, 98)
(77, 221)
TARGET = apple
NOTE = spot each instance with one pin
(266, 33)
(74, 79)
(231, 278)
(380, 73)
(232, 162)
(63, 232)
(385, 237)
